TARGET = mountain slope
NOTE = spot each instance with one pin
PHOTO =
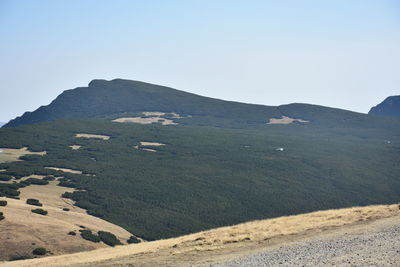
(389, 107)
(102, 98)
(124, 98)
(205, 177)
(217, 164)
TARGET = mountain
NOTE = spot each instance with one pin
(116, 98)
(162, 163)
(389, 107)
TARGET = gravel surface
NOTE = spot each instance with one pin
(380, 247)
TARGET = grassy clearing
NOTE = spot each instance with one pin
(285, 120)
(13, 154)
(95, 136)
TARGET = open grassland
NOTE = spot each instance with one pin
(226, 243)
(22, 231)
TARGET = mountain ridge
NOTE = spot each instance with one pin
(103, 99)
(388, 107)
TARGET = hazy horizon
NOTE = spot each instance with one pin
(339, 54)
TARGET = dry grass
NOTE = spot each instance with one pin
(151, 117)
(150, 120)
(284, 120)
(149, 149)
(151, 144)
(12, 154)
(75, 147)
(96, 136)
(64, 170)
(22, 231)
(23, 178)
(228, 241)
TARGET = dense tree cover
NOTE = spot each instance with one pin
(206, 177)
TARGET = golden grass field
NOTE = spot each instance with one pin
(225, 243)
(22, 231)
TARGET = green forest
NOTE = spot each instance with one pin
(210, 176)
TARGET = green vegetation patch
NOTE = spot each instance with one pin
(5, 178)
(109, 238)
(1, 216)
(35, 202)
(36, 181)
(3, 203)
(40, 211)
(88, 235)
(133, 240)
(39, 251)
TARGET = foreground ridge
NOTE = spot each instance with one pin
(222, 244)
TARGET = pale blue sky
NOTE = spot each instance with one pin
(336, 53)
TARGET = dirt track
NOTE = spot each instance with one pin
(376, 244)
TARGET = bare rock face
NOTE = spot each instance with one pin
(389, 107)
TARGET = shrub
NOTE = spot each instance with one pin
(39, 251)
(133, 240)
(34, 202)
(20, 257)
(88, 235)
(3, 203)
(67, 195)
(65, 209)
(5, 177)
(109, 238)
(1, 216)
(40, 211)
(67, 184)
(36, 181)
(71, 233)
(48, 178)
(8, 190)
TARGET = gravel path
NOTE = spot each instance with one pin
(380, 247)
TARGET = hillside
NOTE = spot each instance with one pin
(389, 107)
(280, 236)
(162, 163)
(205, 177)
(124, 98)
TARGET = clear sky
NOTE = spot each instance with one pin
(336, 53)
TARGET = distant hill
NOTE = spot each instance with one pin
(389, 107)
(116, 98)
